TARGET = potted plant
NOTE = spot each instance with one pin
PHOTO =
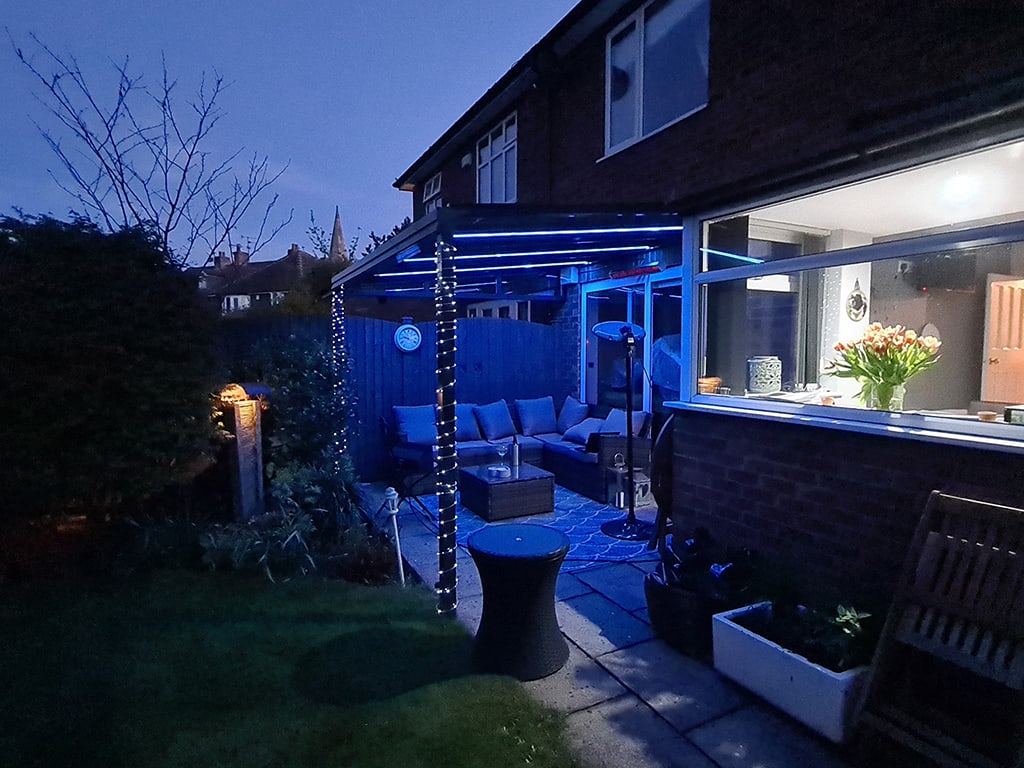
(810, 664)
(883, 360)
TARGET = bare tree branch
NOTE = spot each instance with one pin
(139, 158)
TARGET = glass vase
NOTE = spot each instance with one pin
(886, 397)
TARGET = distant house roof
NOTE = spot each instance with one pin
(270, 277)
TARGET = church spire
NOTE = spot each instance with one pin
(339, 250)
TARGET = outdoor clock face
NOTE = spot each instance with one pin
(408, 338)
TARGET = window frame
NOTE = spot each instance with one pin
(903, 425)
(432, 193)
(508, 146)
(638, 19)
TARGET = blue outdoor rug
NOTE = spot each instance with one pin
(577, 517)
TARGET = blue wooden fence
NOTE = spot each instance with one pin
(495, 358)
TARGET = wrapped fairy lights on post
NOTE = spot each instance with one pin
(339, 363)
(447, 464)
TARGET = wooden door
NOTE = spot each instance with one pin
(1002, 369)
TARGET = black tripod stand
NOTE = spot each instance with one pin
(628, 528)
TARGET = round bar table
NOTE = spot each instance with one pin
(518, 632)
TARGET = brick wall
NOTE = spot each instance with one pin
(567, 321)
(840, 506)
(789, 90)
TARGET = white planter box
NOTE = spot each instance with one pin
(818, 697)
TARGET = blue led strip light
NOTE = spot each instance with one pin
(447, 461)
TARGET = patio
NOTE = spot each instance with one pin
(630, 699)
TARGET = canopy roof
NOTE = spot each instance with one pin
(507, 250)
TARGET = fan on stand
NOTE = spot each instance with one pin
(628, 528)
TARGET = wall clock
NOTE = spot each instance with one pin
(408, 337)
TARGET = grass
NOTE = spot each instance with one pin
(190, 669)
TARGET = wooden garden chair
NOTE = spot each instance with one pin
(948, 673)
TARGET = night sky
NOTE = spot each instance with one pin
(347, 93)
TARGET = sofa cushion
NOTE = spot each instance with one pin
(472, 453)
(466, 427)
(572, 413)
(537, 416)
(548, 437)
(415, 424)
(495, 420)
(579, 433)
(616, 422)
(573, 451)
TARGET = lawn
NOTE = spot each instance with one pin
(180, 668)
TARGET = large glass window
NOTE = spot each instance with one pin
(938, 250)
(496, 164)
(656, 69)
(655, 304)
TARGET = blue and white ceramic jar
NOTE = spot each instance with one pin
(764, 374)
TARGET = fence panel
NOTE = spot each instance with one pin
(496, 358)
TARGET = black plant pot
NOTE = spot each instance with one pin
(681, 613)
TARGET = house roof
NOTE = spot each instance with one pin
(500, 248)
(270, 277)
(585, 17)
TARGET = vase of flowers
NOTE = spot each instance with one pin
(882, 360)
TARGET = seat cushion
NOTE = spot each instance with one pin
(580, 433)
(570, 450)
(572, 413)
(616, 422)
(472, 453)
(466, 427)
(415, 424)
(495, 420)
(537, 415)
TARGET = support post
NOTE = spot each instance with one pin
(447, 463)
(339, 372)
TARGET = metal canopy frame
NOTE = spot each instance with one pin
(529, 253)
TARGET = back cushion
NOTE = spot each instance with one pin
(579, 433)
(495, 420)
(616, 422)
(537, 416)
(415, 424)
(466, 427)
(572, 413)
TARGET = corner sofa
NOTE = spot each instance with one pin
(574, 444)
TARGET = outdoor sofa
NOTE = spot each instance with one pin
(575, 444)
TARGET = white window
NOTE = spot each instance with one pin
(937, 250)
(432, 193)
(656, 69)
(496, 164)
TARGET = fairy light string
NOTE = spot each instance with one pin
(339, 366)
(447, 461)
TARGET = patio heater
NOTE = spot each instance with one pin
(628, 528)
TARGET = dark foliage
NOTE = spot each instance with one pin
(108, 368)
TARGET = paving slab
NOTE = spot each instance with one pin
(581, 683)
(682, 690)
(626, 733)
(598, 625)
(569, 586)
(756, 737)
(622, 583)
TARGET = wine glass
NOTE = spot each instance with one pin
(502, 450)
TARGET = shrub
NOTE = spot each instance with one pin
(108, 368)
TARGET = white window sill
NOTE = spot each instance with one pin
(619, 148)
(908, 425)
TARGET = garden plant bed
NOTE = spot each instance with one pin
(821, 698)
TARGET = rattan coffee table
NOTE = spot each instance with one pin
(528, 491)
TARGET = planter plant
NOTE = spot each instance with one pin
(808, 664)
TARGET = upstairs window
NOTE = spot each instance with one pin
(656, 69)
(496, 164)
(432, 193)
